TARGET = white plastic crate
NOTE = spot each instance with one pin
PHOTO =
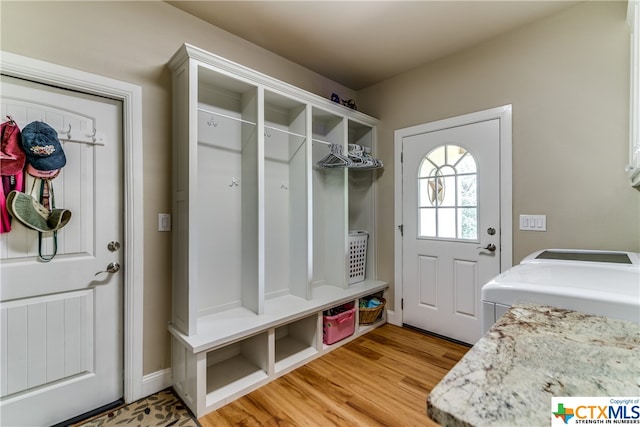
(357, 255)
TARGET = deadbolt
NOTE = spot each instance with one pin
(113, 246)
(491, 231)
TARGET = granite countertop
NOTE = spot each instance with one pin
(533, 353)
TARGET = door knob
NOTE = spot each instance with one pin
(490, 247)
(113, 267)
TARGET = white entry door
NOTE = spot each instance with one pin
(451, 226)
(61, 324)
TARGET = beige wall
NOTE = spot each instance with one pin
(567, 78)
(132, 41)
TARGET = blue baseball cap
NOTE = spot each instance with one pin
(42, 147)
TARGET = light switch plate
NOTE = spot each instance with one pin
(164, 222)
(533, 222)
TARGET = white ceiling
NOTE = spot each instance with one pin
(360, 43)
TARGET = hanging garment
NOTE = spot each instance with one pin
(12, 161)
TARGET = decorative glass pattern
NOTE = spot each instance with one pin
(448, 194)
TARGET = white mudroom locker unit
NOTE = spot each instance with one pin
(261, 232)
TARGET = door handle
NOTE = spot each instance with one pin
(490, 247)
(112, 267)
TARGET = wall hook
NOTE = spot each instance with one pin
(267, 133)
(284, 187)
(234, 183)
(68, 132)
(93, 135)
(212, 122)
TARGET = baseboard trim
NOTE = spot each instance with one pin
(156, 381)
(391, 318)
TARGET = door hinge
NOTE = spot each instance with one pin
(402, 157)
(402, 304)
(401, 228)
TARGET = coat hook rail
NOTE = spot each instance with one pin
(91, 135)
(77, 141)
(67, 132)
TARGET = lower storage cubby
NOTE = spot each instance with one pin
(371, 309)
(236, 354)
(295, 342)
(236, 367)
(338, 323)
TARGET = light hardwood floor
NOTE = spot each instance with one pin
(380, 379)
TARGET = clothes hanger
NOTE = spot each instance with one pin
(361, 158)
(335, 158)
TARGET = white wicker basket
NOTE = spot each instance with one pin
(357, 255)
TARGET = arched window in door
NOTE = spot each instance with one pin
(448, 194)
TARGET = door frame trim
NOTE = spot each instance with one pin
(131, 97)
(502, 113)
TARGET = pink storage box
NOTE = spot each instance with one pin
(338, 327)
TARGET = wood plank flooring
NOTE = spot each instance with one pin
(379, 379)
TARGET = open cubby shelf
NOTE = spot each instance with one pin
(261, 233)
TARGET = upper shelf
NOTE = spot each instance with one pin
(244, 77)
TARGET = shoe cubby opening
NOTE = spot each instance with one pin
(338, 323)
(371, 311)
(295, 342)
(236, 367)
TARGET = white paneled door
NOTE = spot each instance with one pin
(451, 226)
(61, 324)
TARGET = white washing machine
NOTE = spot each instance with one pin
(605, 283)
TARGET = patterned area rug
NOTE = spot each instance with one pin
(161, 409)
